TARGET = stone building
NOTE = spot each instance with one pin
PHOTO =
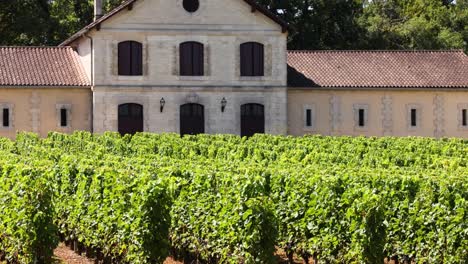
(222, 66)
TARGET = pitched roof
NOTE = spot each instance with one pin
(129, 5)
(378, 69)
(41, 66)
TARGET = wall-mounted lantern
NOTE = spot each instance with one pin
(162, 103)
(223, 104)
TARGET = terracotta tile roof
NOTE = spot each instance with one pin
(41, 66)
(128, 4)
(378, 69)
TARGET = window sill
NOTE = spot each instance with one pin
(252, 78)
(463, 128)
(9, 128)
(194, 78)
(130, 78)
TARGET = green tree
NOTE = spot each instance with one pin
(320, 24)
(25, 22)
(414, 24)
(316, 24)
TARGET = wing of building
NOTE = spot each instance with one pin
(222, 66)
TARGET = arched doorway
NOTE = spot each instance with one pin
(252, 119)
(192, 119)
(130, 119)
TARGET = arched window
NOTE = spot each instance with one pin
(191, 59)
(130, 58)
(252, 59)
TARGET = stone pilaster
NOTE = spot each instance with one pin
(439, 119)
(387, 115)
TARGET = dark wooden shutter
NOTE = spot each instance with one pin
(130, 120)
(185, 54)
(361, 117)
(252, 119)
(124, 58)
(198, 59)
(136, 58)
(252, 59)
(413, 117)
(246, 59)
(464, 117)
(258, 59)
(63, 117)
(191, 59)
(130, 58)
(6, 117)
(308, 117)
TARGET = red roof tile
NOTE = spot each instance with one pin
(378, 69)
(41, 66)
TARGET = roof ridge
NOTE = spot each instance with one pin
(378, 51)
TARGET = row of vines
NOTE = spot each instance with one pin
(226, 199)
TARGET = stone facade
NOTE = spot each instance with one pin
(106, 101)
(38, 110)
(161, 26)
(388, 112)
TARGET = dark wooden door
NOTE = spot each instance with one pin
(192, 119)
(130, 119)
(252, 119)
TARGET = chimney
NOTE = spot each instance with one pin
(97, 9)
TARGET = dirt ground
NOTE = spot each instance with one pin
(64, 255)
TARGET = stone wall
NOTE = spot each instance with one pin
(387, 112)
(161, 26)
(107, 100)
(38, 110)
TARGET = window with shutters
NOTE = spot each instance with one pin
(191, 55)
(252, 59)
(130, 59)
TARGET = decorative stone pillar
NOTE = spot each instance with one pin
(387, 115)
(35, 111)
(335, 115)
(439, 119)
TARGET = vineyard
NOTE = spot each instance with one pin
(226, 199)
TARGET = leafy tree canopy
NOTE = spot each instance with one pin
(317, 24)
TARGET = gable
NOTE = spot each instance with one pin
(170, 14)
